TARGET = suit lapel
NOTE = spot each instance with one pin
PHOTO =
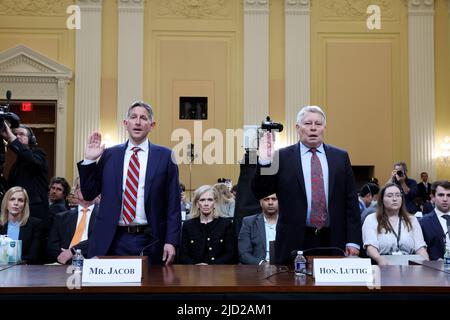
(331, 170)
(72, 222)
(261, 230)
(118, 165)
(297, 160)
(92, 219)
(154, 157)
(437, 229)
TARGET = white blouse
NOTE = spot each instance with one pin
(386, 243)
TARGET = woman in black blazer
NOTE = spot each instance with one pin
(207, 237)
(16, 210)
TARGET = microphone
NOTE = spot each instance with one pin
(8, 96)
(294, 252)
(147, 246)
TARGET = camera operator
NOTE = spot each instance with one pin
(30, 170)
(407, 186)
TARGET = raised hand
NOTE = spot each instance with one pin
(266, 146)
(94, 147)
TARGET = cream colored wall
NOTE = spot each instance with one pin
(360, 78)
(442, 69)
(41, 26)
(194, 51)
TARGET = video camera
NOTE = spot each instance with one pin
(252, 133)
(6, 116)
(269, 125)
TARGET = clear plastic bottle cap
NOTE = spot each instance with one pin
(299, 252)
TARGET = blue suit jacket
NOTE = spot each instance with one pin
(162, 197)
(289, 185)
(433, 235)
(252, 240)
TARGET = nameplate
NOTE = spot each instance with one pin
(342, 270)
(112, 270)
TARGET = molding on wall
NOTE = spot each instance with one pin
(421, 86)
(32, 76)
(355, 9)
(420, 7)
(211, 9)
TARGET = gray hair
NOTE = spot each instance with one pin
(312, 109)
(143, 105)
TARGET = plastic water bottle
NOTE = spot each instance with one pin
(77, 260)
(300, 263)
(447, 259)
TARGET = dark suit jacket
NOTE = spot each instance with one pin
(30, 171)
(162, 197)
(433, 235)
(252, 240)
(211, 243)
(424, 192)
(289, 185)
(57, 207)
(32, 239)
(63, 229)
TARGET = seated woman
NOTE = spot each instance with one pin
(207, 238)
(225, 200)
(392, 230)
(15, 221)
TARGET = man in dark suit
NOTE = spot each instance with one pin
(59, 189)
(316, 191)
(435, 225)
(140, 196)
(30, 170)
(71, 231)
(424, 188)
(257, 232)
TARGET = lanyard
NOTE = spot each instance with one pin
(399, 231)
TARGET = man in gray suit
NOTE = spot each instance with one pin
(257, 231)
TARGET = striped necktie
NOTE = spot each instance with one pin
(131, 188)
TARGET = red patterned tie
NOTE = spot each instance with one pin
(131, 188)
(318, 216)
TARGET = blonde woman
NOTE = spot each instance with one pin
(225, 199)
(392, 230)
(15, 221)
(207, 237)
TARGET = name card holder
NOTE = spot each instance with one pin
(115, 269)
(344, 270)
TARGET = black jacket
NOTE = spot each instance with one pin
(32, 239)
(211, 243)
(30, 171)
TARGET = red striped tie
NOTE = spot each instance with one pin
(131, 188)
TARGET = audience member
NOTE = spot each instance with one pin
(208, 237)
(17, 224)
(392, 230)
(435, 226)
(71, 230)
(257, 232)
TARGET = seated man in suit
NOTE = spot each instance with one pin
(435, 226)
(57, 192)
(257, 231)
(71, 229)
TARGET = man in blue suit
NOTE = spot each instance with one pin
(140, 197)
(435, 224)
(257, 232)
(316, 191)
